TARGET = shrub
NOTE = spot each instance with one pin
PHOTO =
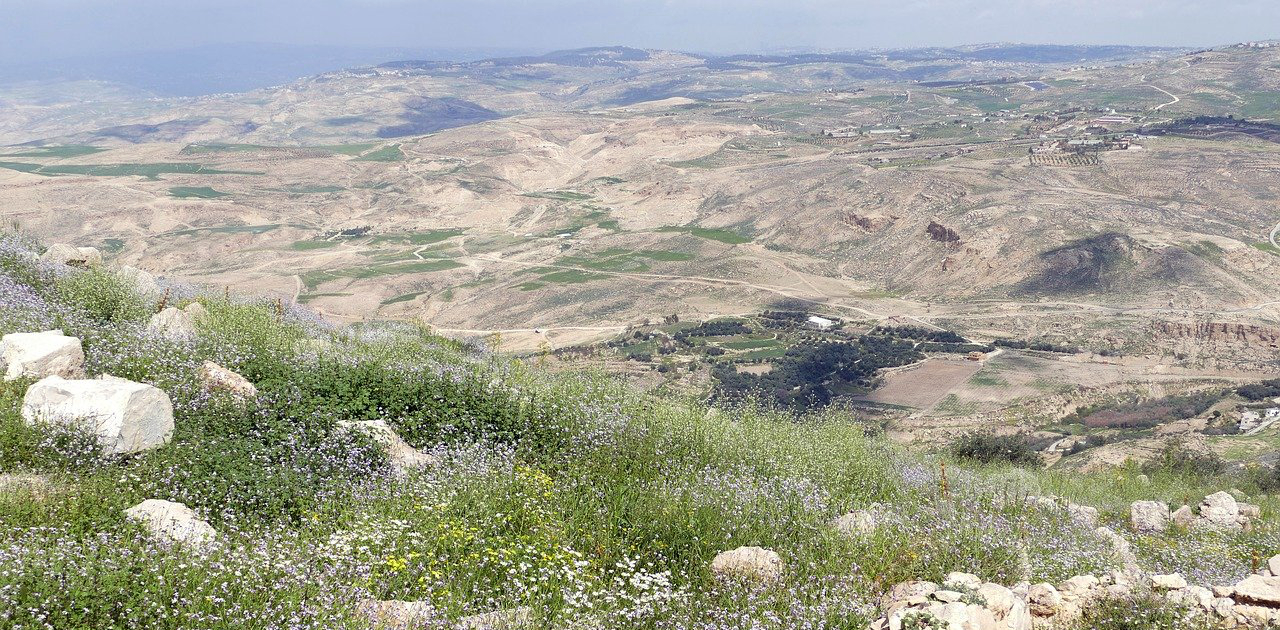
(1176, 458)
(990, 448)
(101, 296)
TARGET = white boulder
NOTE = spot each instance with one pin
(37, 355)
(755, 563)
(1257, 589)
(173, 324)
(1149, 516)
(400, 454)
(1220, 511)
(143, 282)
(126, 416)
(215, 378)
(172, 522)
(1168, 581)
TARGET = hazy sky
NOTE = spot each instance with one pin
(58, 28)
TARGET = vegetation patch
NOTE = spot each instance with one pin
(722, 236)
(404, 297)
(389, 153)
(121, 170)
(64, 151)
(196, 192)
(306, 246)
(559, 195)
(313, 279)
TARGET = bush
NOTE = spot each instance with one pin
(1260, 391)
(102, 296)
(989, 448)
(1176, 458)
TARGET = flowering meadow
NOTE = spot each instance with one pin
(592, 504)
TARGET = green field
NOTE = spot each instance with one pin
(226, 229)
(389, 153)
(750, 344)
(196, 192)
(559, 195)
(1268, 247)
(314, 279)
(404, 297)
(723, 236)
(304, 246)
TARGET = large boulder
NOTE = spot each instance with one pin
(172, 522)
(173, 324)
(126, 416)
(756, 563)
(64, 254)
(216, 379)
(37, 355)
(400, 454)
(1149, 516)
(974, 606)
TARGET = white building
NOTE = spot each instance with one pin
(820, 323)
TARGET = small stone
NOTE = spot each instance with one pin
(1222, 591)
(1274, 564)
(1149, 516)
(948, 596)
(396, 614)
(64, 254)
(755, 563)
(215, 378)
(1183, 517)
(1223, 607)
(172, 522)
(1078, 587)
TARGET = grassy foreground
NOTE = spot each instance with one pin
(593, 504)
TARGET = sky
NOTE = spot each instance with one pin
(43, 29)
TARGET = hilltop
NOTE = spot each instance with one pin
(377, 475)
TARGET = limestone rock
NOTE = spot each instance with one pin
(756, 563)
(172, 324)
(1220, 511)
(37, 355)
(400, 454)
(858, 522)
(1168, 581)
(1121, 546)
(64, 254)
(196, 311)
(143, 282)
(1258, 589)
(1149, 516)
(215, 378)
(1274, 564)
(1183, 517)
(172, 522)
(1044, 600)
(1080, 587)
(126, 416)
(962, 581)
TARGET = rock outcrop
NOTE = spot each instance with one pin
(754, 563)
(963, 602)
(37, 355)
(172, 522)
(127, 417)
(1219, 510)
(1149, 516)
